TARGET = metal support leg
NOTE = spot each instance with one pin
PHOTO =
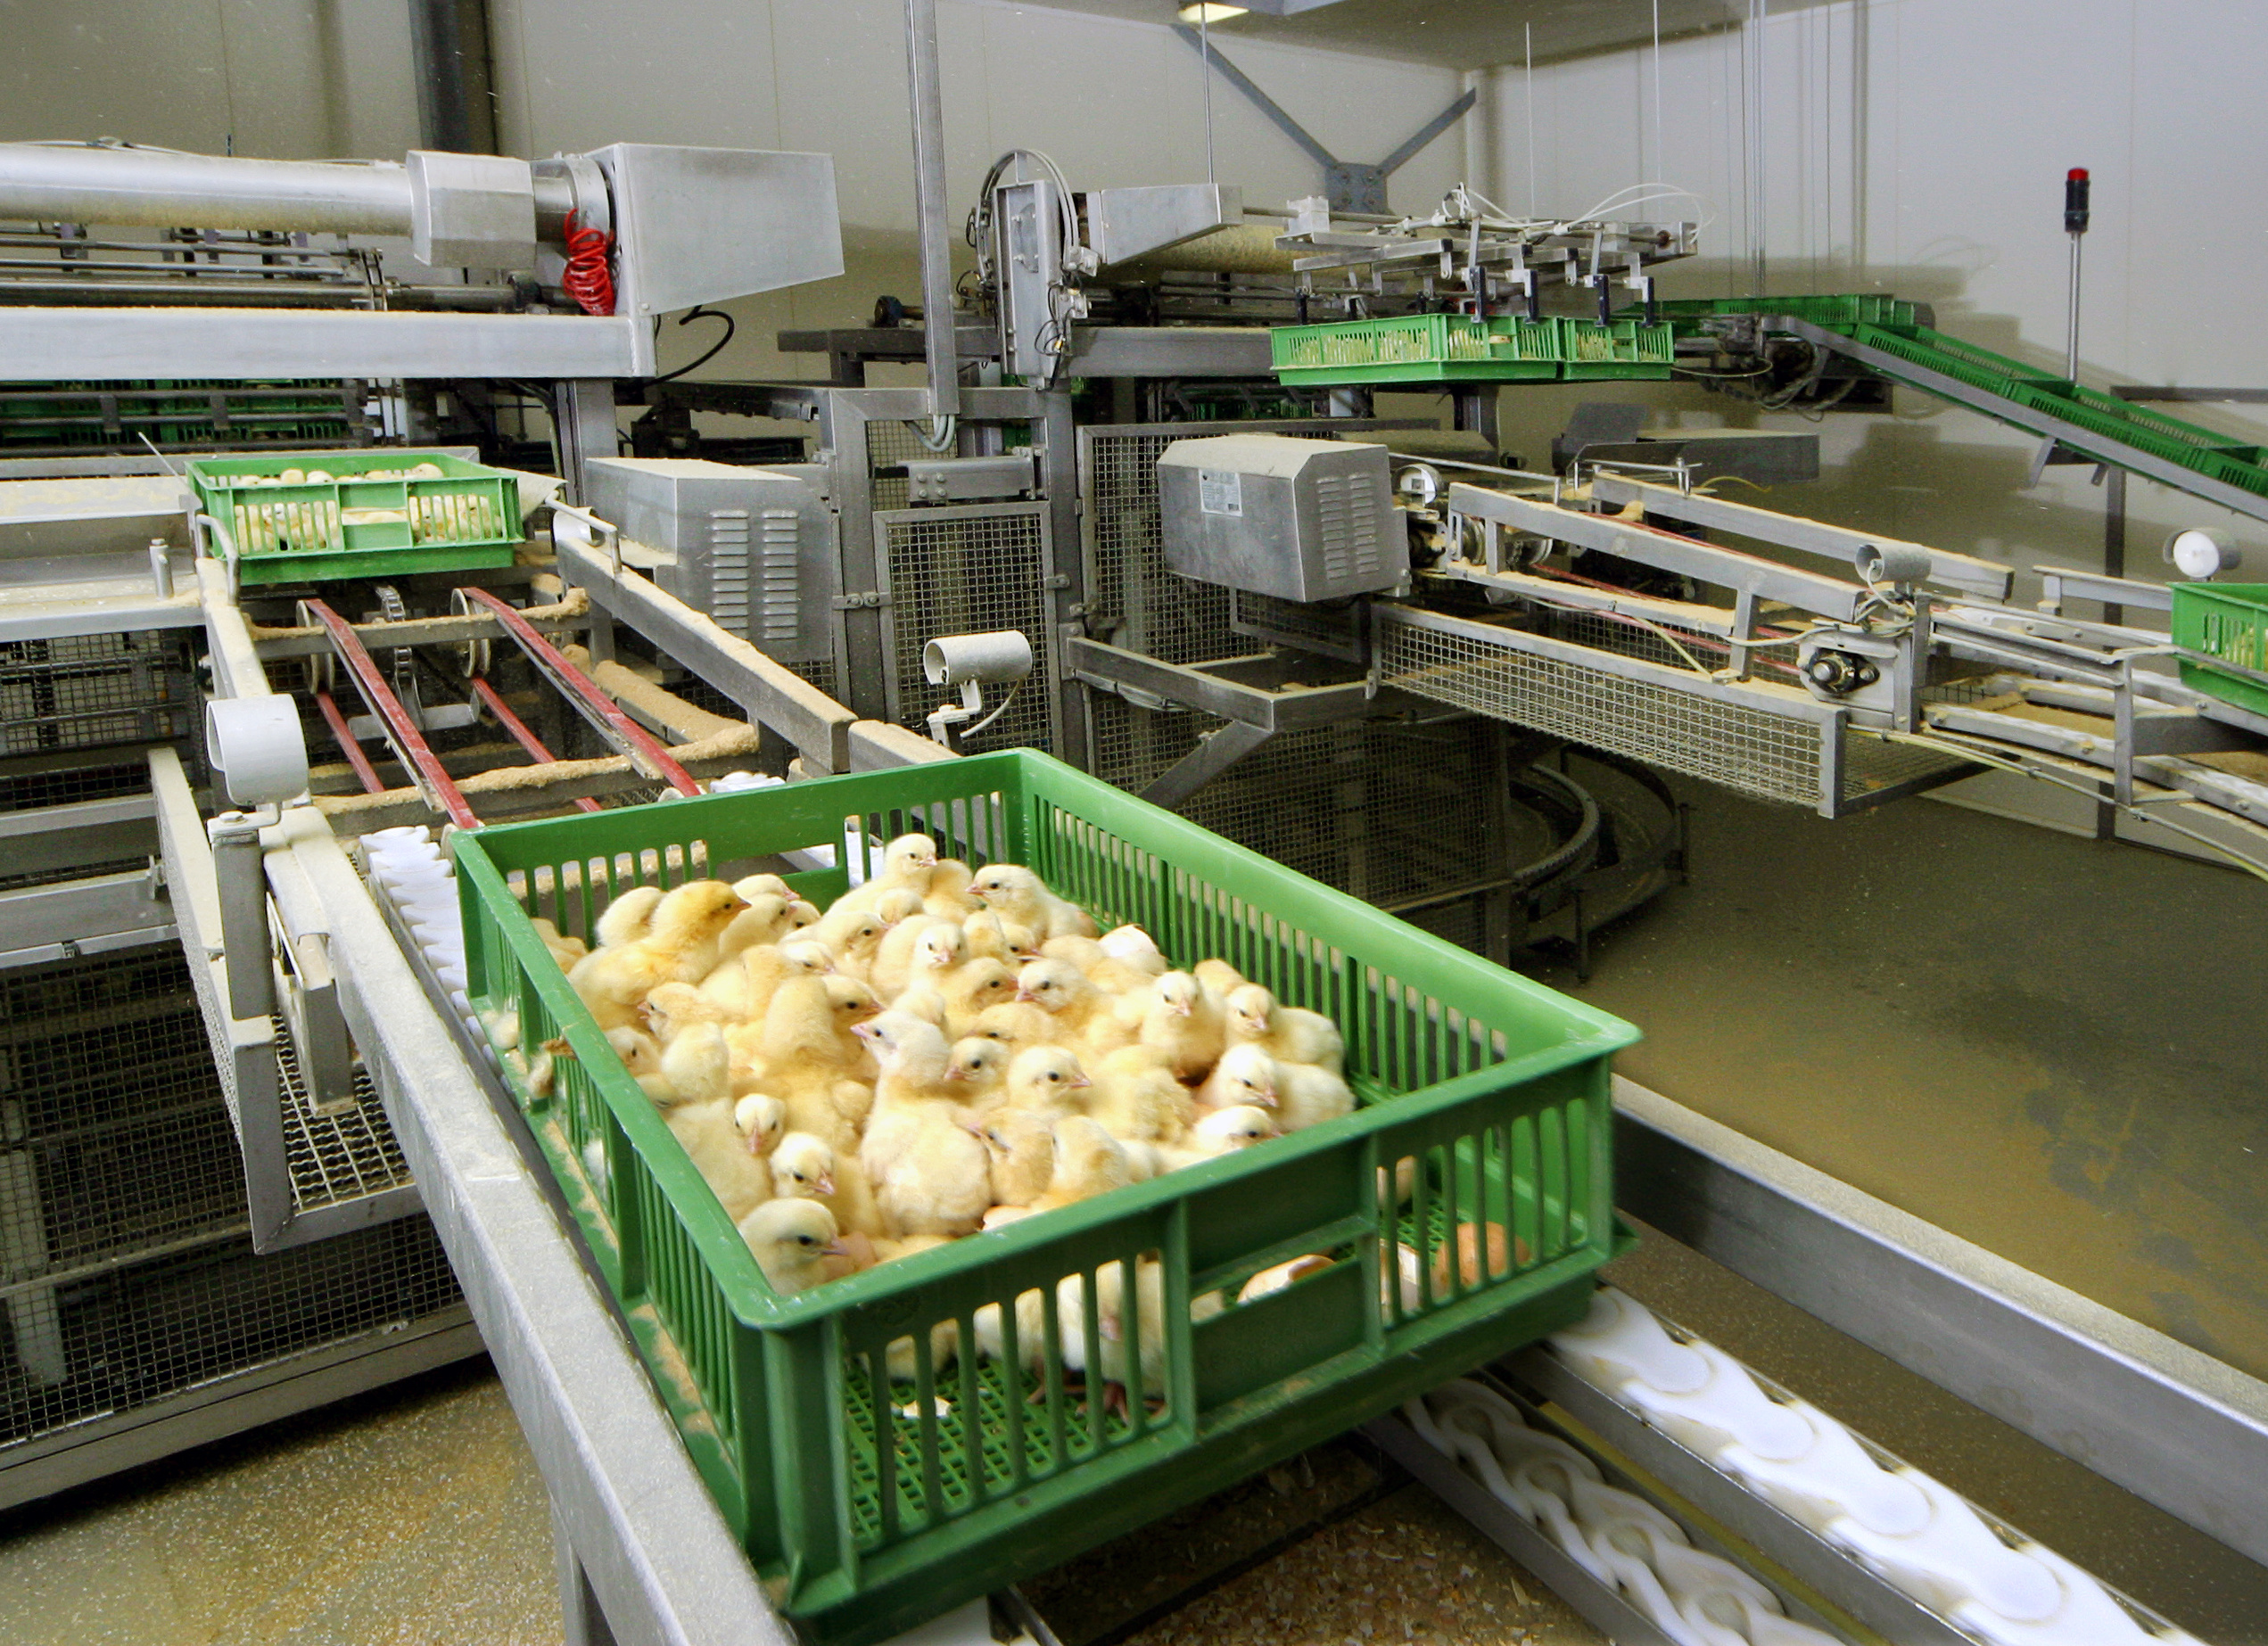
(1218, 750)
(2113, 537)
(585, 1624)
(583, 427)
(241, 878)
(1475, 412)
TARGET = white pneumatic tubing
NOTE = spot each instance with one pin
(156, 188)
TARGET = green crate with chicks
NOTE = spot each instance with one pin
(896, 1406)
(381, 513)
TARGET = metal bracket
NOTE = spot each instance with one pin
(865, 599)
(1352, 186)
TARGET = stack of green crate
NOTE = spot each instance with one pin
(1440, 348)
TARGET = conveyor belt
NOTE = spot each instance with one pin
(2202, 461)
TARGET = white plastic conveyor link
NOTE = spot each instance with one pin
(1916, 1534)
(1624, 1543)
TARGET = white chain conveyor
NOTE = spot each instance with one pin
(1916, 1534)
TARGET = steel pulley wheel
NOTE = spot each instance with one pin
(469, 658)
(401, 661)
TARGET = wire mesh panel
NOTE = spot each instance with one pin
(126, 1269)
(84, 691)
(968, 571)
(335, 1154)
(888, 444)
(1134, 600)
(141, 1330)
(1715, 737)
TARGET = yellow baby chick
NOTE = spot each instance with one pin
(1288, 1034)
(1088, 1161)
(1015, 893)
(851, 935)
(930, 1175)
(1137, 1097)
(803, 1168)
(624, 920)
(956, 1000)
(1301, 1094)
(1219, 976)
(743, 985)
(992, 938)
(913, 953)
(711, 1139)
(564, 951)
(1081, 1011)
(1021, 1143)
(1015, 1025)
(1219, 1131)
(908, 862)
(947, 897)
(760, 1121)
(981, 1067)
(792, 1240)
(1113, 977)
(1047, 1079)
(1130, 945)
(680, 945)
(1186, 1021)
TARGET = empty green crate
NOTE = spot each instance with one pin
(868, 1502)
(2227, 623)
(465, 518)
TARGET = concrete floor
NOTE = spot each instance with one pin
(2048, 1045)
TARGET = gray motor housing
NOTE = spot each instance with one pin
(754, 549)
(1302, 520)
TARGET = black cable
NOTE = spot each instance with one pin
(697, 313)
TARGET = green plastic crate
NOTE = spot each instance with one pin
(1443, 347)
(2227, 621)
(1620, 349)
(865, 1505)
(467, 518)
(1837, 310)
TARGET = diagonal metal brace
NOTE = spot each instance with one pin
(1344, 178)
(1219, 749)
(625, 736)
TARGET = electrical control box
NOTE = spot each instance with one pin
(1302, 520)
(754, 549)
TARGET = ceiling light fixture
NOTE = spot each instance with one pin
(1211, 14)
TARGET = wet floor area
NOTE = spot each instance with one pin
(2048, 1045)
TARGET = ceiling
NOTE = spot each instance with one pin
(1456, 34)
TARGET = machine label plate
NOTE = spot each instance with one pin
(1220, 492)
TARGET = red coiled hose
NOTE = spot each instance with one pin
(589, 278)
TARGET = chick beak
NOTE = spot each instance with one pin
(1182, 1008)
(757, 1145)
(826, 1184)
(1080, 1084)
(1026, 994)
(956, 1073)
(1265, 1100)
(834, 1249)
